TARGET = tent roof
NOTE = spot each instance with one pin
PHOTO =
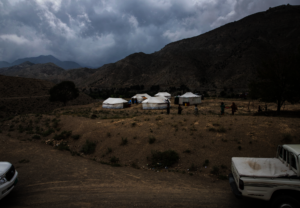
(141, 95)
(189, 94)
(114, 101)
(163, 94)
(156, 100)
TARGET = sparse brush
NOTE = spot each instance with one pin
(223, 177)
(162, 159)
(62, 135)
(135, 137)
(206, 163)
(75, 137)
(36, 137)
(108, 134)
(239, 147)
(124, 141)
(63, 146)
(151, 139)
(223, 166)
(88, 147)
(134, 165)
(47, 133)
(109, 150)
(114, 159)
(193, 168)
(224, 140)
(159, 118)
(133, 124)
(216, 124)
(24, 161)
(187, 151)
(215, 170)
(212, 129)
(222, 130)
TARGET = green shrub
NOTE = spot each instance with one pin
(88, 147)
(75, 137)
(124, 141)
(166, 158)
(152, 139)
(36, 137)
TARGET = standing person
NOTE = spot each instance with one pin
(233, 108)
(259, 109)
(179, 109)
(222, 108)
(168, 107)
(196, 111)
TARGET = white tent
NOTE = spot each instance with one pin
(190, 99)
(155, 103)
(140, 97)
(164, 94)
(115, 103)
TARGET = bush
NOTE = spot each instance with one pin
(47, 133)
(152, 139)
(76, 137)
(108, 134)
(166, 158)
(222, 130)
(193, 168)
(24, 161)
(215, 170)
(134, 165)
(62, 135)
(187, 151)
(114, 159)
(222, 177)
(36, 137)
(88, 147)
(109, 150)
(124, 141)
(206, 163)
(133, 124)
(63, 146)
(212, 129)
(239, 147)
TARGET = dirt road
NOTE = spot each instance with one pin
(53, 178)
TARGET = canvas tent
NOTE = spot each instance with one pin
(155, 103)
(189, 99)
(164, 94)
(141, 97)
(115, 103)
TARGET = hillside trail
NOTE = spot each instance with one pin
(53, 178)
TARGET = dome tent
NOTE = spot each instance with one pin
(114, 103)
(140, 98)
(164, 94)
(155, 103)
(190, 99)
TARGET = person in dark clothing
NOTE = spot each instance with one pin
(233, 108)
(168, 107)
(222, 108)
(196, 111)
(259, 109)
(179, 109)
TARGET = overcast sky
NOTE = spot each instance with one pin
(95, 32)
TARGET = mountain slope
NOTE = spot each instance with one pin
(42, 60)
(224, 57)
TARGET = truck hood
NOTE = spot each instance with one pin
(4, 167)
(261, 167)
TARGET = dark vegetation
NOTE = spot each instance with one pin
(64, 92)
(164, 159)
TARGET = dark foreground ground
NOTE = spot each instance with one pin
(53, 178)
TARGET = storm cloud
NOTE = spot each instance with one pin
(96, 32)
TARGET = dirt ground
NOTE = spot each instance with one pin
(56, 178)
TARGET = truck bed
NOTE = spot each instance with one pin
(261, 167)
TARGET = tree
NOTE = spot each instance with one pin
(277, 80)
(64, 92)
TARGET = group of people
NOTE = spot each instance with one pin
(133, 101)
(233, 108)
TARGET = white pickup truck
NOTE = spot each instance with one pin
(8, 178)
(272, 179)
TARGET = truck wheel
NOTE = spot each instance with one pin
(285, 202)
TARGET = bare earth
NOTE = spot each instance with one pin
(54, 178)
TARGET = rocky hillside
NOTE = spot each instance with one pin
(224, 57)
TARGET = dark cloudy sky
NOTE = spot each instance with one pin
(95, 32)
